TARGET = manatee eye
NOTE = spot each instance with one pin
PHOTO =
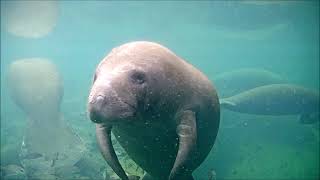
(138, 77)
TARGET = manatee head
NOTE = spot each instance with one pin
(126, 81)
(115, 94)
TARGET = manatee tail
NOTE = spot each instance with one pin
(309, 118)
(225, 103)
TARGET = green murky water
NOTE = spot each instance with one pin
(214, 36)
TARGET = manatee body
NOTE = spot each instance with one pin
(234, 82)
(36, 86)
(276, 99)
(163, 111)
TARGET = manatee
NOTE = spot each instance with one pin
(234, 82)
(276, 99)
(29, 19)
(164, 112)
(36, 86)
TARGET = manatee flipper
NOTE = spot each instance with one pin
(309, 118)
(187, 133)
(103, 133)
(224, 103)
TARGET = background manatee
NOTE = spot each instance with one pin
(36, 87)
(276, 99)
(233, 82)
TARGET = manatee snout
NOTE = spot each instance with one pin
(95, 108)
(106, 106)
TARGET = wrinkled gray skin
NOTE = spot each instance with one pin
(237, 81)
(163, 111)
(276, 99)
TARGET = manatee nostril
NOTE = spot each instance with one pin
(97, 99)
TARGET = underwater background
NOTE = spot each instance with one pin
(214, 36)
